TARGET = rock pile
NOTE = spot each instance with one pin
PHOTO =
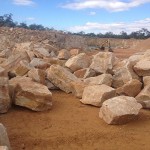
(29, 71)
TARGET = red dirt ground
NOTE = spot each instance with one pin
(71, 125)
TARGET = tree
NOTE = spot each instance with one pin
(23, 25)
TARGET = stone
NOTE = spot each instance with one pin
(142, 68)
(77, 88)
(22, 68)
(124, 74)
(4, 148)
(37, 75)
(33, 95)
(146, 80)
(4, 140)
(85, 73)
(96, 94)
(63, 54)
(98, 80)
(74, 52)
(41, 52)
(5, 102)
(103, 62)
(119, 110)
(61, 77)
(50, 85)
(131, 88)
(77, 62)
(39, 63)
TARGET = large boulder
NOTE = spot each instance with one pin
(77, 88)
(142, 68)
(98, 80)
(63, 54)
(38, 75)
(97, 94)
(119, 110)
(41, 52)
(5, 101)
(146, 80)
(61, 77)
(124, 74)
(33, 95)
(74, 52)
(4, 140)
(78, 62)
(103, 62)
(131, 88)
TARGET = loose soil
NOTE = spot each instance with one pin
(70, 125)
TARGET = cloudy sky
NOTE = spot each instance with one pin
(98, 16)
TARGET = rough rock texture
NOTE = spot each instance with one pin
(41, 52)
(74, 52)
(103, 62)
(101, 79)
(124, 74)
(119, 110)
(77, 88)
(33, 95)
(37, 75)
(61, 77)
(97, 94)
(4, 140)
(5, 101)
(146, 80)
(63, 54)
(78, 62)
(142, 68)
(131, 88)
(85, 73)
(50, 85)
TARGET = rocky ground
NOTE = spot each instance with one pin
(54, 98)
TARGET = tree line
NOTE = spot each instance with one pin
(7, 21)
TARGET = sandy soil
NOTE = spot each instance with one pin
(71, 125)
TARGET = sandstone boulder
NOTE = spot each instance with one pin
(103, 62)
(33, 95)
(146, 80)
(4, 140)
(41, 52)
(77, 88)
(50, 85)
(37, 75)
(142, 68)
(131, 88)
(63, 54)
(97, 94)
(78, 62)
(119, 110)
(74, 52)
(124, 74)
(61, 77)
(98, 80)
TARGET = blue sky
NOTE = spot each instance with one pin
(81, 15)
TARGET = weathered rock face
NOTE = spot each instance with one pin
(4, 140)
(144, 95)
(119, 110)
(78, 62)
(142, 68)
(123, 75)
(22, 68)
(103, 62)
(5, 101)
(37, 75)
(98, 80)
(74, 52)
(41, 52)
(39, 63)
(77, 88)
(50, 85)
(146, 80)
(33, 95)
(85, 73)
(64, 54)
(61, 77)
(131, 88)
(97, 94)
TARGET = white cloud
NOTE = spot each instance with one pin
(112, 27)
(92, 13)
(23, 2)
(110, 5)
(30, 19)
